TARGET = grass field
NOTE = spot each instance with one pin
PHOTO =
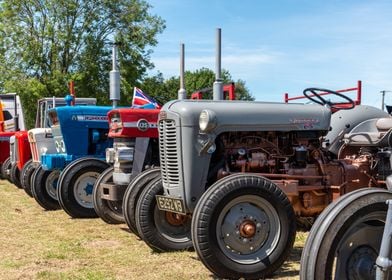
(37, 244)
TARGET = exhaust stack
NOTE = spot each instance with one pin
(218, 84)
(182, 90)
(114, 78)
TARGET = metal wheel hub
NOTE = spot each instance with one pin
(176, 219)
(83, 189)
(361, 263)
(245, 228)
(51, 184)
(171, 227)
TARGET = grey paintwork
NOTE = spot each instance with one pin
(343, 121)
(231, 116)
(193, 165)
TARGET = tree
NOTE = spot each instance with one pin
(45, 43)
(166, 90)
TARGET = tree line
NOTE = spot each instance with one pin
(46, 43)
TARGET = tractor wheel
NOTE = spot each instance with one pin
(44, 186)
(109, 211)
(162, 231)
(5, 169)
(243, 227)
(345, 240)
(75, 188)
(132, 193)
(25, 177)
(15, 175)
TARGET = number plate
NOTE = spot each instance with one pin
(166, 203)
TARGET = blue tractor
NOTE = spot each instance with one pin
(66, 178)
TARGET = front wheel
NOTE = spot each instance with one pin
(132, 193)
(15, 175)
(345, 240)
(25, 177)
(162, 231)
(43, 188)
(5, 169)
(109, 211)
(243, 227)
(76, 184)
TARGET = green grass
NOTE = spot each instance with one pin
(38, 244)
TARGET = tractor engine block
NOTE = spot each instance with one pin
(295, 161)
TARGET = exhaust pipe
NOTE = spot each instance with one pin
(182, 90)
(218, 84)
(114, 78)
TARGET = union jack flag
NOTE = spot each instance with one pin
(143, 100)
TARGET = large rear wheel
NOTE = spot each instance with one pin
(44, 186)
(243, 227)
(345, 240)
(132, 193)
(162, 231)
(76, 184)
(25, 177)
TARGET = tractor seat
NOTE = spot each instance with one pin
(373, 132)
(384, 124)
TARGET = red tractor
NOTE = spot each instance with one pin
(11, 121)
(135, 149)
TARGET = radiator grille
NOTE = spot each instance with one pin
(168, 153)
(13, 150)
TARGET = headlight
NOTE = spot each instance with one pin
(115, 122)
(124, 154)
(109, 155)
(207, 121)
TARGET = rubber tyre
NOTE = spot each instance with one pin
(15, 175)
(5, 167)
(39, 189)
(318, 255)
(132, 193)
(25, 177)
(150, 222)
(67, 186)
(210, 209)
(109, 211)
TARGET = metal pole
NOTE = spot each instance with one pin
(182, 90)
(383, 262)
(114, 78)
(218, 84)
(383, 98)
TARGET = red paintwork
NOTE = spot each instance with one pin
(5, 145)
(228, 92)
(357, 101)
(24, 152)
(133, 115)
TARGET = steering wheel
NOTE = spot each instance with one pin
(316, 92)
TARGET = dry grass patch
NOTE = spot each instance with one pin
(38, 244)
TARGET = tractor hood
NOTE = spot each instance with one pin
(251, 116)
(133, 122)
(82, 116)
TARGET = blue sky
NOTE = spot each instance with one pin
(282, 46)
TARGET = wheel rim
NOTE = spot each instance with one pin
(83, 189)
(248, 229)
(115, 206)
(356, 253)
(172, 226)
(51, 184)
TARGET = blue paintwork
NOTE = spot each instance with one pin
(81, 131)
